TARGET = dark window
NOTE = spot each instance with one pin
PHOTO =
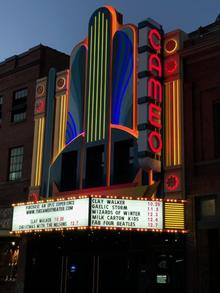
(69, 171)
(95, 166)
(15, 163)
(123, 162)
(216, 124)
(207, 207)
(1, 102)
(19, 105)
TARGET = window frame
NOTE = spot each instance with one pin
(17, 162)
(199, 201)
(19, 106)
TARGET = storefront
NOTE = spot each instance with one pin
(98, 261)
(97, 244)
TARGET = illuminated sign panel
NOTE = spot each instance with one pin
(150, 95)
(97, 212)
(123, 213)
(51, 215)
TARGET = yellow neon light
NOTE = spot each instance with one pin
(97, 78)
(57, 129)
(165, 113)
(178, 114)
(179, 121)
(34, 161)
(41, 149)
(174, 125)
(169, 126)
(56, 135)
(166, 123)
(105, 78)
(38, 153)
(102, 49)
(64, 111)
(60, 117)
(61, 120)
(64, 120)
(66, 117)
(38, 150)
(89, 93)
(93, 81)
(174, 216)
(174, 49)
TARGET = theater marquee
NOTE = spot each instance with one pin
(97, 212)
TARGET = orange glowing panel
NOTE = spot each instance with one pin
(173, 124)
(115, 24)
(125, 129)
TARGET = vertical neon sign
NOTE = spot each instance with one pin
(173, 116)
(150, 95)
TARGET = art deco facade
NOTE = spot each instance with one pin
(121, 191)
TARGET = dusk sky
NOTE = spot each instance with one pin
(61, 24)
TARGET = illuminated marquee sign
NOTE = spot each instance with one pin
(150, 95)
(97, 212)
(122, 213)
(51, 215)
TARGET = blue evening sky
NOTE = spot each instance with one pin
(61, 24)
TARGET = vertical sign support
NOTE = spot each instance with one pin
(150, 96)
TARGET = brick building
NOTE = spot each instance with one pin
(18, 75)
(201, 59)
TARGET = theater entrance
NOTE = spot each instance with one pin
(97, 263)
(104, 273)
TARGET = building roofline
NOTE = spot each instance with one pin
(32, 49)
(205, 29)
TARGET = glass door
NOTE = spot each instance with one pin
(105, 273)
(78, 273)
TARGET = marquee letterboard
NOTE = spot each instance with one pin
(124, 213)
(51, 215)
